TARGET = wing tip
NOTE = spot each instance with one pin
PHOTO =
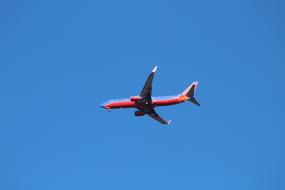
(154, 70)
(169, 122)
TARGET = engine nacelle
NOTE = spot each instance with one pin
(135, 98)
(139, 113)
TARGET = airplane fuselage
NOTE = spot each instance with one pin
(145, 103)
(156, 101)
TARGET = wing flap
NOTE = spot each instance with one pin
(152, 113)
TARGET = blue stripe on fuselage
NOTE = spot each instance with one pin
(163, 97)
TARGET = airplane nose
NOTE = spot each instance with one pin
(102, 106)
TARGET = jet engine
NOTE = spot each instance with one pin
(139, 113)
(135, 98)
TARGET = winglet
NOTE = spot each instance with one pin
(154, 70)
(169, 122)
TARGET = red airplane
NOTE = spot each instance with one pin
(145, 103)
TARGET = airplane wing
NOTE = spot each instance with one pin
(152, 113)
(147, 89)
(146, 97)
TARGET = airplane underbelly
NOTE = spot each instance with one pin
(127, 104)
(166, 102)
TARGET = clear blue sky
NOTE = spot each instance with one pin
(60, 59)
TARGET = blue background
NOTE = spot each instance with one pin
(61, 59)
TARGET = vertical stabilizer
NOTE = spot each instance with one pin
(190, 91)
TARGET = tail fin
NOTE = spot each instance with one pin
(189, 92)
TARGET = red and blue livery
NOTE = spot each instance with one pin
(145, 102)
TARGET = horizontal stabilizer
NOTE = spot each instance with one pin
(194, 101)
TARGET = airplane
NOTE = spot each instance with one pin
(146, 104)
